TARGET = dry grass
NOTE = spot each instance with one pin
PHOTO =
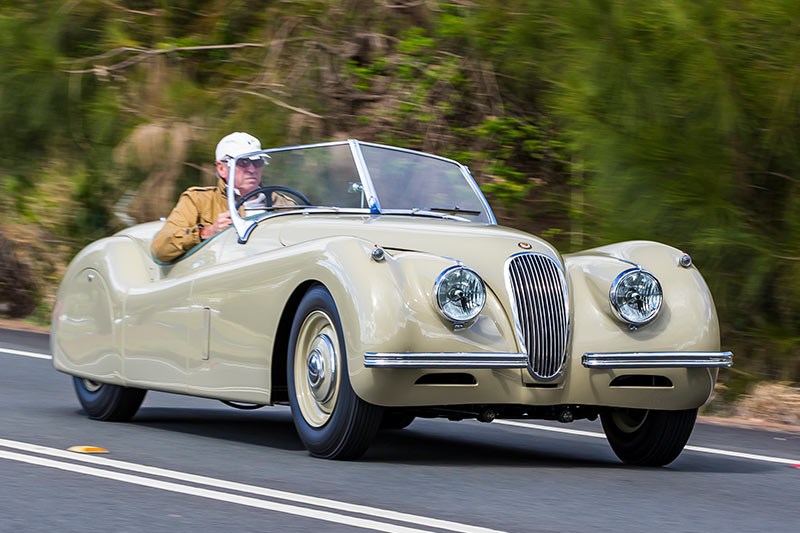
(775, 402)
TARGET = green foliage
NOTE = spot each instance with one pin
(671, 111)
(588, 121)
(514, 145)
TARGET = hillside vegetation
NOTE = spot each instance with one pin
(584, 121)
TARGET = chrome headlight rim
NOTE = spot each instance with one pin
(442, 278)
(621, 277)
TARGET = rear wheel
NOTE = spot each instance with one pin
(646, 437)
(331, 420)
(103, 401)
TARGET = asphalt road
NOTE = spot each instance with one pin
(186, 464)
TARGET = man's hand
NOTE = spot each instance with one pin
(222, 222)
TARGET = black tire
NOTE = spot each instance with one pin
(396, 420)
(112, 403)
(643, 437)
(331, 420)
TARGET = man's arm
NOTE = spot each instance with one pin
(180, 233)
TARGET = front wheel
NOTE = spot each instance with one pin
(331, 420)
(646, 437)
(103, 401)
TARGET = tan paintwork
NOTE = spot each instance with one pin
(208, 325)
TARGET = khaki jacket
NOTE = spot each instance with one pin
(196, 207)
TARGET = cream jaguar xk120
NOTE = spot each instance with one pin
(386, 292)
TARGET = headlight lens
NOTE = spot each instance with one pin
(636, 296)
(460, 294)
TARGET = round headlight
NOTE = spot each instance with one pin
(460, 294)
(636, 296)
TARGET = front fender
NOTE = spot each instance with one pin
(687, 321)
(688, 318)
(387, 306)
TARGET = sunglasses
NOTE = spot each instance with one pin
(244, 163)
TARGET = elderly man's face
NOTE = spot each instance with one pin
(248, 174)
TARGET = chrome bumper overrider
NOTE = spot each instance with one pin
(658, 360)
(445, 360)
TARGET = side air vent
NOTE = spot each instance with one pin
(636, 380)
(447, 378)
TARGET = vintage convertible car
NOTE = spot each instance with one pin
(386, 291)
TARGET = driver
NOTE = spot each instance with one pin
(202, 212)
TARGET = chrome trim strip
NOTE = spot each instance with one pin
(455, 360)
(366, 179)
(658, 360)
(477, 190)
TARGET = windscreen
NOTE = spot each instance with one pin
(415, 181)
(326, 175)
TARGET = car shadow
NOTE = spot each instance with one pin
(267, 427)
(412, 447)
(273, 428)
(428, 444)
(415, 447)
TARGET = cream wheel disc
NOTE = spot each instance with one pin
(629, 420)
(316, 369)
(91, 386)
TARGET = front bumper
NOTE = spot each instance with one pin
(451, 360)
(622, 360)
(394, 379)
(604, 360)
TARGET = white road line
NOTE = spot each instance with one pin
(26, 354)
(211, 494)
(373, 512)
(550, 428)
(699, 449)
(741, 455)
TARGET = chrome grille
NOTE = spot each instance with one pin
(539, 297)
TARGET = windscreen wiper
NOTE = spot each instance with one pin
(454, 209)
(425, 212)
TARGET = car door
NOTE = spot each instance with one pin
(236, 299)
(162, 330)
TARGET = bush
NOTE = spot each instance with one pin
(17, 288)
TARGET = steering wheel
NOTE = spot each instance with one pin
(268, 190)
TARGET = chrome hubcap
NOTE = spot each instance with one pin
(316, 369)
(321, 365)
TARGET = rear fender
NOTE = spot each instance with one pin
(86, 336)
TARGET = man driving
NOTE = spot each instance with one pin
(202, 212)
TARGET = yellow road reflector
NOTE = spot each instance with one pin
(87, 449)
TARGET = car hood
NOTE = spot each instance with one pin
(467, 242)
